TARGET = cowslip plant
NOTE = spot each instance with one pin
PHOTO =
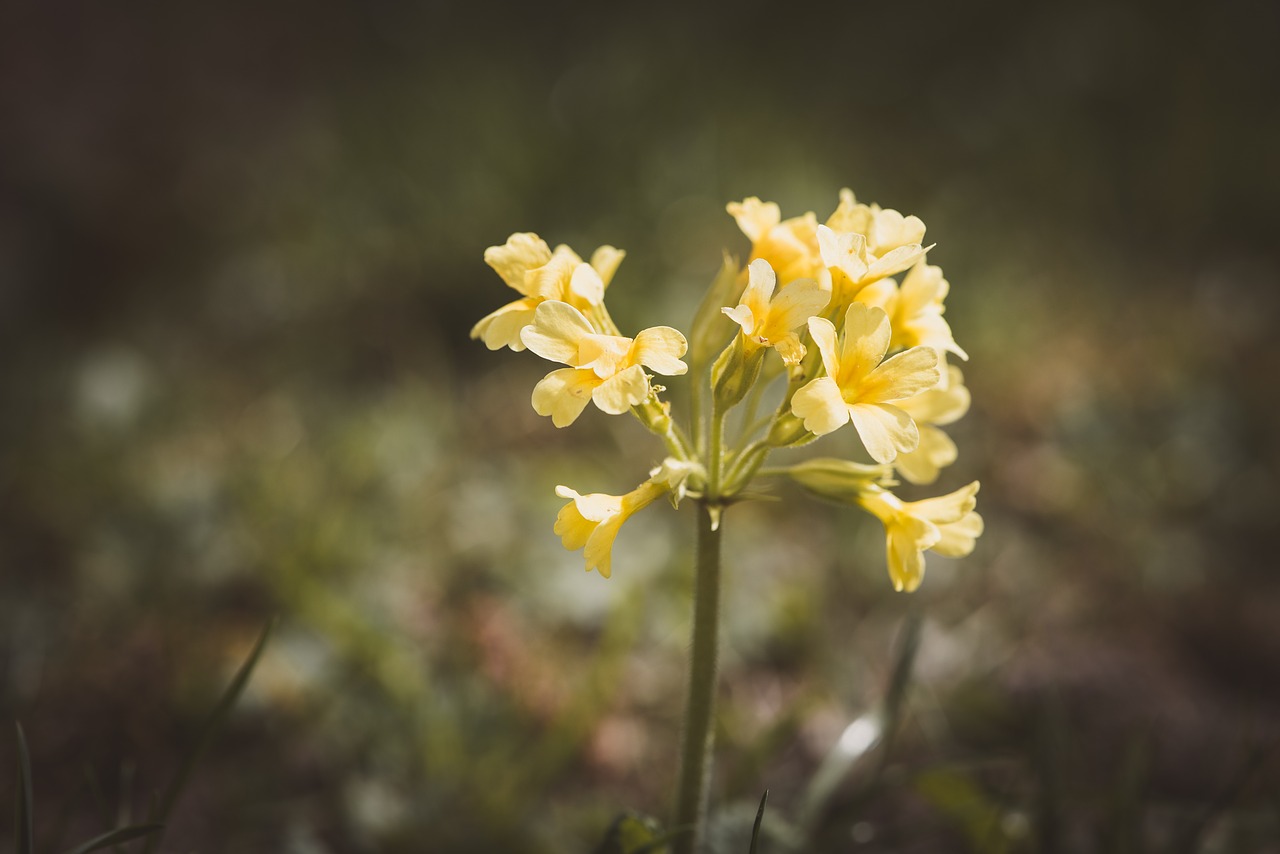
(851, 346)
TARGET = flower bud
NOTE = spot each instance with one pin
(839, 480)
(735, 371)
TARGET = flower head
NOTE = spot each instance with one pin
(526, 264)
(770, 320)
(605, 369)
(861, 385)
(947, 525)
(591, 522)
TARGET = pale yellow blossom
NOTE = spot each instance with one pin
(591, 522)
(947, 525)
(605, 369)
(930, 410)
(771, 321)
(790, 246)
(862, 386)
(526, 264)
(853, 265)
(884, 229)
(915, 310)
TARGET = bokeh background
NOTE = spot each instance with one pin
(240, 254)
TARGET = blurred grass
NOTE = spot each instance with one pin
(240, 251)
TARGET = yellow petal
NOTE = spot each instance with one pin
(845, 251)
(741, 315)
(793, 306)
(892, 230)
(571, 526)
(599, 548)
(521, 253)
(586, 284)
(824, 335)
(866, 340)
(557, 332)
(551, 280)
(660, 348)
(885, 430)
(605, 260)
(905, 542)
(948, 508)
(902, 376)
(755, 218)
(502, 328)
(563, 394)
(820, 405)
(894, 261)
(959, 538)
(622, 391)
(935, 451)
(945, 404)
(790, 349)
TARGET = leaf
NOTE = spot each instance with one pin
(24, 842)
(113, 837)
(205, 738)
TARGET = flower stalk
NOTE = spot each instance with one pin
(698, 733)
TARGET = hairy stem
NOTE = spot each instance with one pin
(699, 715)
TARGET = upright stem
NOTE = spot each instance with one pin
(699, 715)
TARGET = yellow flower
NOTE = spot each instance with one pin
(591, 522)
(790, 246)
(606, 369)
(769, 321)
(526, 264)
(938, 406)
(947, 525)
(915, 310)
(861, 385)
(853, 265)
(884, 229)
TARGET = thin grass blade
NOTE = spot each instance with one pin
(24, 840)
(115, 837)
(219, 716)
(755, 828)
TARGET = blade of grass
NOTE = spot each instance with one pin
(24, 842)
(869, 734)
(114, 837)
(220, 713)
(755, 828)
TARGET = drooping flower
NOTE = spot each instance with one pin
(605, 369)
(526, 264)
(931, 409)
(771, 321)
(915, 310)
(591, 522)
(862, 386)
(947, 525)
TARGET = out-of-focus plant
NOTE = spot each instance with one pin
(153, 829)
(850, 345)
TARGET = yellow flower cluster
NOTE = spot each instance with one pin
(854, 346)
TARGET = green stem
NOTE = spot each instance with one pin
(699, 715)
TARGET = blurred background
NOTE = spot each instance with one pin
(240, 254)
